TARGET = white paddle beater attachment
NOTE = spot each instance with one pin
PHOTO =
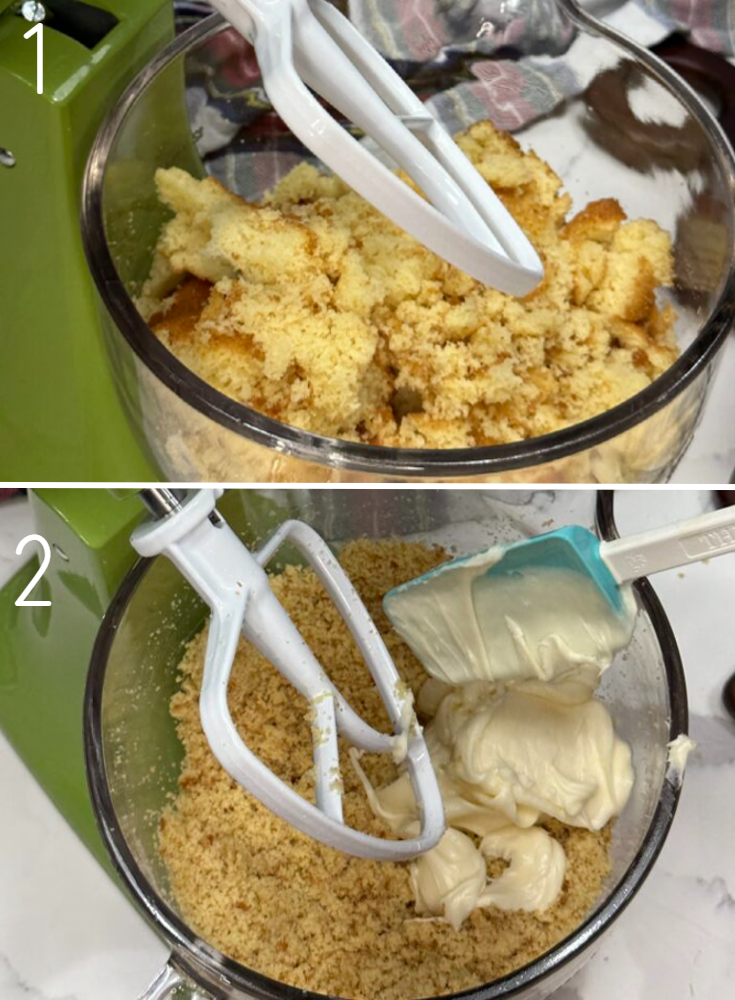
(302, 44)
(232, 581)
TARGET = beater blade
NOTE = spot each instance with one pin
(302, 44)
(233, 582)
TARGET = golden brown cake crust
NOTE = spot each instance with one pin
(300, 912)
(323, 314)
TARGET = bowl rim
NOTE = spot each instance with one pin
(212, 970)
(377, 459)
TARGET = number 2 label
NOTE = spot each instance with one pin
(22, 602)
(37, 30)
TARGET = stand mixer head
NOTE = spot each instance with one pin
(57, 371)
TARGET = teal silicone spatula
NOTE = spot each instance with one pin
(530, 609)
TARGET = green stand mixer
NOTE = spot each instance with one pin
(41, 694)
(60, 416)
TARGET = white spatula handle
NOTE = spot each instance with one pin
(679, 544)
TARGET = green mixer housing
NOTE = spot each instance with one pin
(59, 406)
(45, 651)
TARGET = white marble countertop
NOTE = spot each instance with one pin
(67, 933)
(710, 458)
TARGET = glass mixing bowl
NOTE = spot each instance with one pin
(610, 118)
(134, 756)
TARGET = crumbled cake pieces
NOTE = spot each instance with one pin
(316, 310)
(289, 907)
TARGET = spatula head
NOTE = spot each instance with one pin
(544, 608)
(573, 548)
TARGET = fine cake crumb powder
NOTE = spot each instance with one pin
(295, 910)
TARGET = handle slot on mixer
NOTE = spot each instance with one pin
(83, 22)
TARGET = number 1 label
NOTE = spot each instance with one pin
(37, 30)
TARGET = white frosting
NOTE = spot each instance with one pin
(449, 879)
(452, 879)
(535, 875)
(519, 748)
(408, 723)
(515, 732)
(506, 757)
(546, 623)
(679, 750)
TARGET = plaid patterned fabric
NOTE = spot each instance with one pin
(539, 71)
(512, 61)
